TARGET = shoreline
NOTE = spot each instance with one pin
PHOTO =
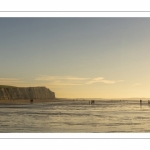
(35, 101)
(27, 101)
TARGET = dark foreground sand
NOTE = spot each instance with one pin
(27, 101)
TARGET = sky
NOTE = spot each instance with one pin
(77, 57)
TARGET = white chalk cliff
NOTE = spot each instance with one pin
(26, 93)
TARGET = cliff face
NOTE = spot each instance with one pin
(26, 93)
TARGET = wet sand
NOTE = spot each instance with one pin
(27, 101)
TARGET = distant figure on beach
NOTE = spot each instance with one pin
(148, 101)
(31, 101)
(140, 101)
(91, 102)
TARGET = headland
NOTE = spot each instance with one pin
(12, 94)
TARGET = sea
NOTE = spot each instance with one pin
(76, 116)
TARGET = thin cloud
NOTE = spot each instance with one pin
(98, 79)
(102, 80)
(72, 81)
(61, 83)
(74, 78)
(11, 81)
(62, 80)
(49, 78)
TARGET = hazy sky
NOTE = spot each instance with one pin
(77, 57)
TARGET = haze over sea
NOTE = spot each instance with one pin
(76, 116)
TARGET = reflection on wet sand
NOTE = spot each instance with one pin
(75, 116)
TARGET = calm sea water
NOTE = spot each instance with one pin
(76, 117)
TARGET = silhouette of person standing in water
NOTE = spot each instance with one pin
(141, 104)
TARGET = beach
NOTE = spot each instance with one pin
(73, 116)
(27, 101)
